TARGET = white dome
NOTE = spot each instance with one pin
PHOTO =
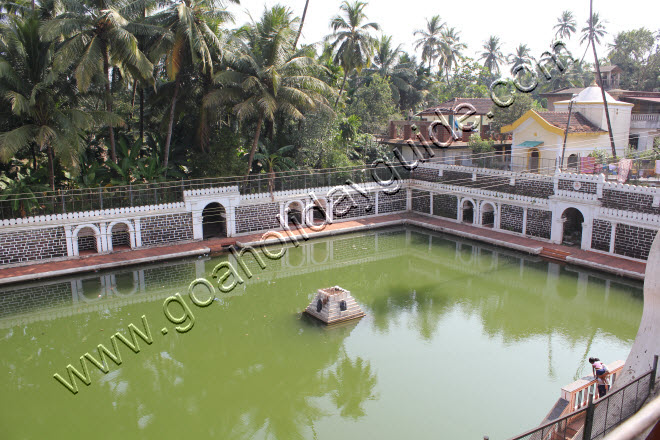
(593, 94)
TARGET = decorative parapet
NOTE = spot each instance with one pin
(596, 178)
(93, 215)
(649, 190)
(232, 190)
(485, 171)
(321, 191)
(576, 195)
(481, 192)
(617, 215)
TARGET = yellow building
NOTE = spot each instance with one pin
(538, 137)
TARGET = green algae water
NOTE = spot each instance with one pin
(460, 340)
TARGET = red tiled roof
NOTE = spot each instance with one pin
(579, 124)
(481, 105)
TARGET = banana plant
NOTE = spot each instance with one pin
(20, 191)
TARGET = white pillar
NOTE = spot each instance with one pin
(231, 220)
(557, 228)
(197, 223)
(524, 225)
(376, 202)
(459, 209)
(102, 241)
(587, 227)
(408, 199)
(612, 237)
(138, 232)
(69, 240)
(431, 202)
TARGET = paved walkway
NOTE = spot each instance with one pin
(608, 263)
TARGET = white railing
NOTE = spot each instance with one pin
(645, 117)
(211, 191)
(577, 393)
(650, 190)
(486, 171)
(320, 192)
(595, 178)
(628, 216)
(576, 195)
(496, 195)
(92, 214)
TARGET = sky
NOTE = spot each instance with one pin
(515, 22)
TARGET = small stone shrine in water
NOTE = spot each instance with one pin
(334, 304)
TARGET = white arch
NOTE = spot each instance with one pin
(302, 212)
(131, 232)
(309, 210)
(481, 212)
(475, 209)
(97, 234)
(226, 215)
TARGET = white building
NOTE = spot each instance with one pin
(538, 137)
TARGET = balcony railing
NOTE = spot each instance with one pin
(645, 117)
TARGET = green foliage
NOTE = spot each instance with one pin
(602, 156)
(507, 115)
(637, 53)
(373, 105)
(21, 191)
(470, 80)
(176, 76)
(349, 128)
(480, 146)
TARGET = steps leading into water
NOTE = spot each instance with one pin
(554, 254)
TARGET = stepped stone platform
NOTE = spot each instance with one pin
(333, 305)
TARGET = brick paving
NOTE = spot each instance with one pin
(216, 245)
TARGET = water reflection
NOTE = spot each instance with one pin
(252, 367)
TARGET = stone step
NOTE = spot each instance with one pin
(554, 254)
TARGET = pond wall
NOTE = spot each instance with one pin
(616, 219)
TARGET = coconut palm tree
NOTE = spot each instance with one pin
(95, 37)
(265, 79)
(272, 162)
(387, 65)
(594, 27)
(429, 40)
(451, 50)
(565, 25)
(521, 56)
(191, 42)
(28, 82)
(302, 22)
(492, 55)
(353, 44)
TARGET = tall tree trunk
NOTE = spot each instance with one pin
(342, 88)
(168, 140)
(255, 142)
(302, 22)
(170, 124)
(51, 167)
(135, 82)
(108, 101)
(34, 158)
(142, 114)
